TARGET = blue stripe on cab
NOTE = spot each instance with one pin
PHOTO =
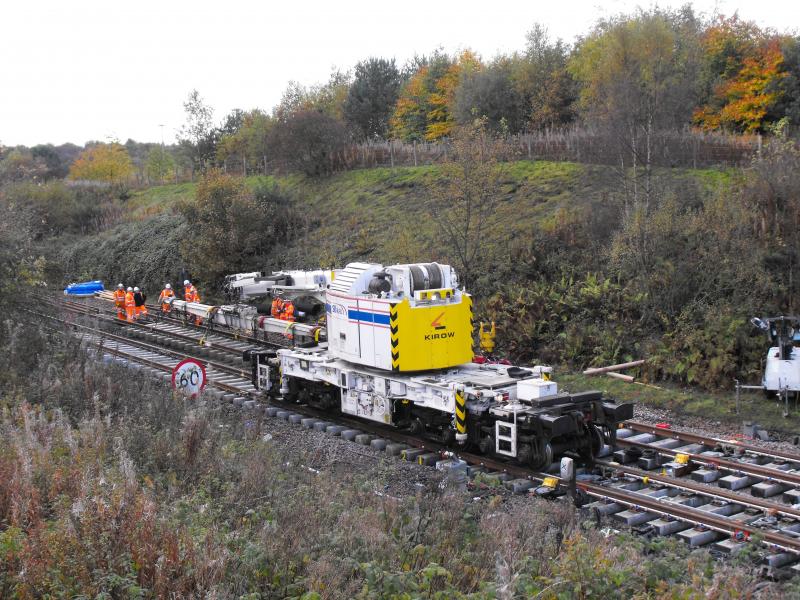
(368, 317)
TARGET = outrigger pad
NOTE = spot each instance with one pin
(618, 412)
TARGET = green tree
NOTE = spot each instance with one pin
(491, 93)
(249, 140)
(197, 137)
(309, 141)
(372, 97)
(541, 77)
(639, 77)
(328, 98)
(159, 164)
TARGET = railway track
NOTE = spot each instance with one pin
(708, 492)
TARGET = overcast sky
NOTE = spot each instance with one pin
(103, 69)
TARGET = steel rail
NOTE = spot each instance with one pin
(704, 489)
(694, 438)
(734, 466)
(153, 328)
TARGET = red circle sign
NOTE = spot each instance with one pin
(189, 377)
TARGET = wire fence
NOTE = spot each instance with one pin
(672, 149)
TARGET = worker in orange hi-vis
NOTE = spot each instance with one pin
(119, 301)
(165, 298)
(130, 305)
(277, 308)
(190, 294)
(288, 311)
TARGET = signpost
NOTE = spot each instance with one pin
(189, 377)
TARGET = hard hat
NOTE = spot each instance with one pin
(168, 286)
(186, 282)
(136, 289)
(120, 286)
(130, 289)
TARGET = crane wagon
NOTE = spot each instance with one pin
(394, 344)
(398, 350)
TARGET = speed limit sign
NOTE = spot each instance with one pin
(189, 377)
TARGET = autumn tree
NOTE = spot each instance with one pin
(372, 97)
(103, 162)
(743, 73)
(426, 108)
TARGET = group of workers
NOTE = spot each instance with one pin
(282, 309)
(131, 305)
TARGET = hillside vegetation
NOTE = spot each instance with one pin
(550, 271)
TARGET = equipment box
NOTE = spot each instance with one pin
(534, 389)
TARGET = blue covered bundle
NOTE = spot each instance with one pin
(87, 288)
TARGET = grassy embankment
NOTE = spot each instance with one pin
(380, 214)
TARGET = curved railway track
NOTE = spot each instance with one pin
(707, 491)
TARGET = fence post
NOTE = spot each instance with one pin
(415, 152)
(391, 153)
(244, 165)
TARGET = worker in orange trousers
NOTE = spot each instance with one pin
(190, 294)
(130, 305)
(165, 298)
(119, 301)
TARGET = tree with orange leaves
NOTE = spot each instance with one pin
(103, 162)
(425, 108)
(440, 117)
(744, 69)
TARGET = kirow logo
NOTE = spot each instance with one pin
(439, 326)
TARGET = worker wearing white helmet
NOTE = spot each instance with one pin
(139, 299)
(165, 298)
(190, 295)
(119, 301)
(130, 306)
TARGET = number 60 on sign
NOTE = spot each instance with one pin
(189, 377)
